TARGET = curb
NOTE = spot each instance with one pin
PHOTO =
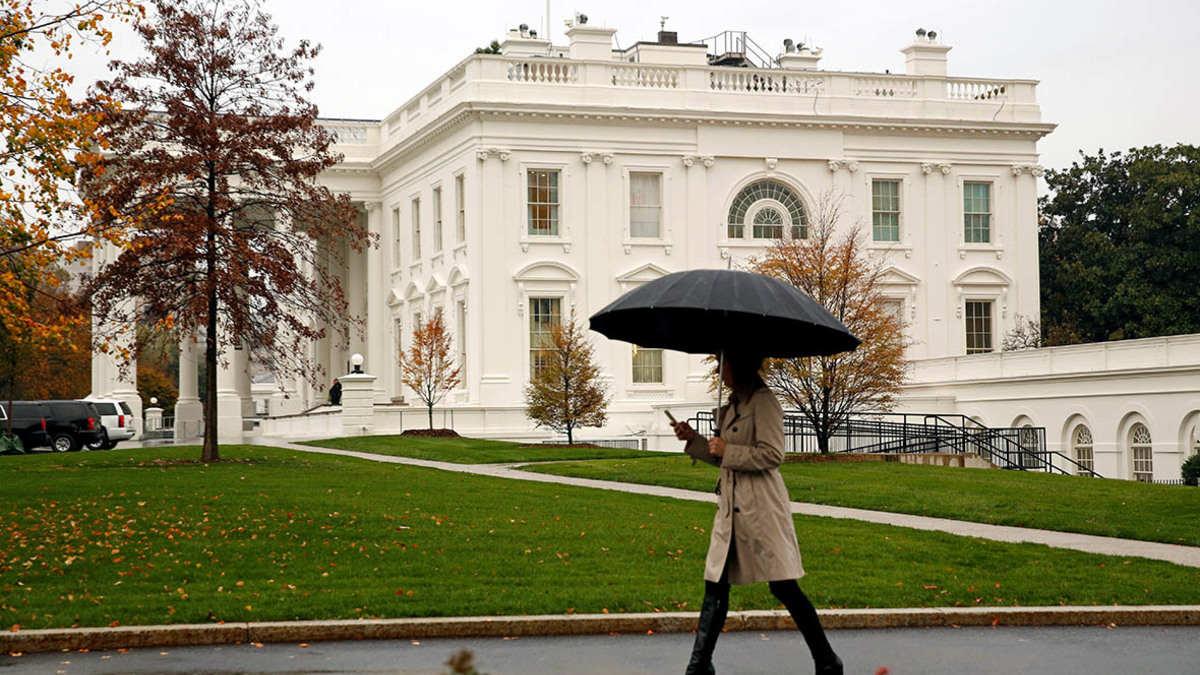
(190, 635)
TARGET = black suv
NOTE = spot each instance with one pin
(72, 424)
(28, 422)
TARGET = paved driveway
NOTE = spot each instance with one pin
(940, 651)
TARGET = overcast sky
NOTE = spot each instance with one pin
(1113, 75)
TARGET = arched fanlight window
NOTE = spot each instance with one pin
(1142, 449)
(1081, 448)
(771, 209)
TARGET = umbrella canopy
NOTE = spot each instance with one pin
(707, 311)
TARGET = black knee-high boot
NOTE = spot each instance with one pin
(712, 620)
(805, 615)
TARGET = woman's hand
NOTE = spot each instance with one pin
(716, 446)
(683, 432)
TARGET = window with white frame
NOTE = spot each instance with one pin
(770, 208)
(461, 335)
(543, 201)
(979, 326)
(645, 205)
(396, 229)
(437, 220)
(460, 209)
(885, 210)
(977, 213)
(1031, 446)
(416, 229)
(1081, 448)
(544, 315)
(647, 365)
(1142, 449)
(893, 307)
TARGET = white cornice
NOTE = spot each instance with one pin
(464, 112)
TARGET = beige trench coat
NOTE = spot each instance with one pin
(753, 509)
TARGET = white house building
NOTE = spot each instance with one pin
(523, 186)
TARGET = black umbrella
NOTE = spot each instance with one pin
(710, 311)
(707, 311)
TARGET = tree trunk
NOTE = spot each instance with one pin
(570, 437)
(431, 416)
(211, 452)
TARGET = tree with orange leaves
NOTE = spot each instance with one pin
(429, 367)
(212, 165)
(46, 136)
(565, 391)
(834, 270)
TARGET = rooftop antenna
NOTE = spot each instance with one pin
(662, 22)
(548, 20)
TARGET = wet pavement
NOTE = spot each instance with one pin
(917, 651)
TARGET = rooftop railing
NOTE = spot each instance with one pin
(708, 90)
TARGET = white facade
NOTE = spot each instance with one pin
(643, 162)
(551, 179)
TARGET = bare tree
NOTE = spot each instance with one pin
(835, 271)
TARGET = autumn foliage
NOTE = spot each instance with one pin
(428, 367)
(46, 136)
(835, 271)
(211, 166)
(565, 391)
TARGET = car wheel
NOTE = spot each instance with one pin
(109, 445)
(64, 443)
(100, 443)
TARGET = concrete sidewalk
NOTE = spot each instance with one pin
(1180, 555)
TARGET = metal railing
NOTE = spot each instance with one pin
(736, 44)
(1020, 449)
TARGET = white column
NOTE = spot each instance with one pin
(699, 251)
(229, 401)
(496, 361)
(377, 310)
(189, 411)
(241, 379)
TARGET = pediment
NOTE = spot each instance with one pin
(640, 275)
(435, 284)
(547, 270)
(982, 276)
(894, 276)
(458, 276)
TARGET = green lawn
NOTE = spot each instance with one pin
(1114, 508)
(125, 537)
(470, 450)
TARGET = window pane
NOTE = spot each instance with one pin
(416, 229)
(647, 365)
(437, 219)
(544, 313)
(460, 208)
(977, 213)
(645, 204)
(543, 202)
(885, 210)
(979, 327)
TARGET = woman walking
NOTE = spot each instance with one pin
(753, 537)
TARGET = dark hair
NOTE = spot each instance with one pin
(746, 368)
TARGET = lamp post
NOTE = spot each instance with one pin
(356, 361)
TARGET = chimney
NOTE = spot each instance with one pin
(925, 56)
(590, 43)
(522, 42)
(799, 58)
(668, 37)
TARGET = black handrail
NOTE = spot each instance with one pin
(1014, 448)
